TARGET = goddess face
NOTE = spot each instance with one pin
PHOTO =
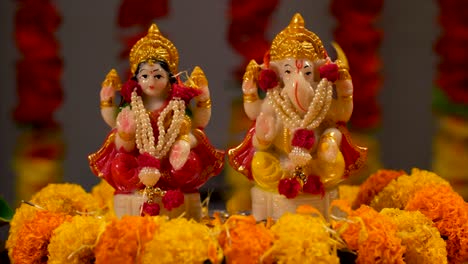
(153, 79)
(298, 78)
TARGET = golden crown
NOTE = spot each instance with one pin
(295, 41)
(154, 46)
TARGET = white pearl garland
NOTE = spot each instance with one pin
(315, 114)
(291, 119)
(144, 137)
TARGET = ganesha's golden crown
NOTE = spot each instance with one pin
(154, 46)
(295, 41)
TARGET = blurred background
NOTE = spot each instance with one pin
(390, 45)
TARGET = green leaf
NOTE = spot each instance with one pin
(6, 213)
(443, 104)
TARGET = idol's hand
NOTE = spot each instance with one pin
(126, 125)
(107, 94)
(329, 145)
(179, 154)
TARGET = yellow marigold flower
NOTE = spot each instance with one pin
(103, 192)
(124, 240)
(74, 241)
(422, 240)
(348, 192)
(301, 238)
(449, 212)
(182, 241)
(400, 190)
(372, 235)
(373, 185)
(65, 198)
(34, 236)
(243, 240)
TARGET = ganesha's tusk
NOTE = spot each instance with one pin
(340, 54)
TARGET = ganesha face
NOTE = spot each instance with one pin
(297, 76)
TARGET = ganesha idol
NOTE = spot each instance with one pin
(156, 155)
(298, 149)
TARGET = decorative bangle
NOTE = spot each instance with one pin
(184, 137)
(107, 103)
(204, 104)
(347, 97)
(250, 98)
(126, 136)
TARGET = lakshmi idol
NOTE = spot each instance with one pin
(298, 149)
(157, 155)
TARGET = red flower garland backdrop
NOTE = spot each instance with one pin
(139, 14)
(39, 151)
(452, 77)
(38, 72)
(450, 98)
(249, 21)
(360, 41)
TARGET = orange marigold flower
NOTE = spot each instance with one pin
(372, 235)
(124, 240)
(34, 236)
(64, 198)
(243, 240)
(374, 184)
(448, 211)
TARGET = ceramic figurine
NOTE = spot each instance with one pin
(157, 155)
(298, 149)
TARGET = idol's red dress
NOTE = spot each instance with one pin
(240, 157)
(120, 168)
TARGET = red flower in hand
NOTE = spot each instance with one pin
(289, 187)
(303, 138)
(314, 185)
(185, 93)
(127, 89)
(329, 71)
(150, 209)
(173, 199)
(267, 79)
